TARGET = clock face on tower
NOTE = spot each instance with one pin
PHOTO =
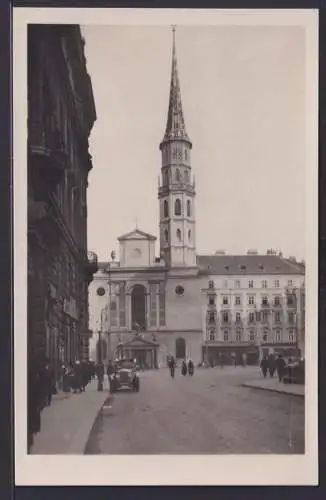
(136, 252)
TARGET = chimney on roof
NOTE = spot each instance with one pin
(220, 252)
(252, 251)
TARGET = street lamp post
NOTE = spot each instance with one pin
(100, 359)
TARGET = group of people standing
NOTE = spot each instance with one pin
(43, 382)
(271, 365)
(186, 367)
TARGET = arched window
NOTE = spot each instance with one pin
(180, 348)
(166, 235)
(166, 208)
(165, 177)
(177, 207)
(189, 234)
(226, 336)
(211, 335)
(188, 208)
(177, 175)
(178, 235)
(186, 176)
(186, 155)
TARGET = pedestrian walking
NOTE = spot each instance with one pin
(184, 368)
(191, 367)
(280, 365)
(77, 377)
(100, 377)
(47, 382)
(171, 364)
(234, 359)
(35, 401)
(271, 365)
(264, 366)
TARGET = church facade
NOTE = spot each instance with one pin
(180, 303)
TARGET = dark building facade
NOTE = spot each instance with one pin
(61, 114)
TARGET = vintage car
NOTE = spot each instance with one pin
(294, 373)
(124, 374)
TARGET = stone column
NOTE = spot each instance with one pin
(118, 309)
(157, 309)
(128, 311)
(148, 310)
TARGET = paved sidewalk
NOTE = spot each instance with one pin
(272, 384)
(68, 421)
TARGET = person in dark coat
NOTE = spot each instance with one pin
(271, 365)
(85, 375)
(264, 366)
(280, 365)
(171, 364)
(47, 381)
(191, 367)
(34, 402)
(109, 370)
(77, 377)
(184, 368)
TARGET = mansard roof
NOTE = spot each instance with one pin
(247, 264)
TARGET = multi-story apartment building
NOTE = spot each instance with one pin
(254, 305)
(61, 113)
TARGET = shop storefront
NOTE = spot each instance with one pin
(215, 354)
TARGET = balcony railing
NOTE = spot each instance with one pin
(91, 265)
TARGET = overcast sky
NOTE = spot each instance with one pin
(243, 92)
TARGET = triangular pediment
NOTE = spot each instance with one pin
(138, 342)
(136, 234)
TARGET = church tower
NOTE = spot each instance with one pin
(176, 187)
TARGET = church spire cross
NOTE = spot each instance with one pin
(175, 126)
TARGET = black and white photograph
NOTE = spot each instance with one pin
(166, 228)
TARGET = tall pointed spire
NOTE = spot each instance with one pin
(175, 127)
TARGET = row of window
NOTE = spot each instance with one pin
(251, 284)
(251, 300)
(178, 235)
(177, 176)
(252, 317)
(177, 208)
(227, 336)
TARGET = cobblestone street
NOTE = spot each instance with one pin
(209, 413)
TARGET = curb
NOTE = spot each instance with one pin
(93, 426)
(250, 386)
(81, 438)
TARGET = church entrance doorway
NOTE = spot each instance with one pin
(180, 348)
(138, 307)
